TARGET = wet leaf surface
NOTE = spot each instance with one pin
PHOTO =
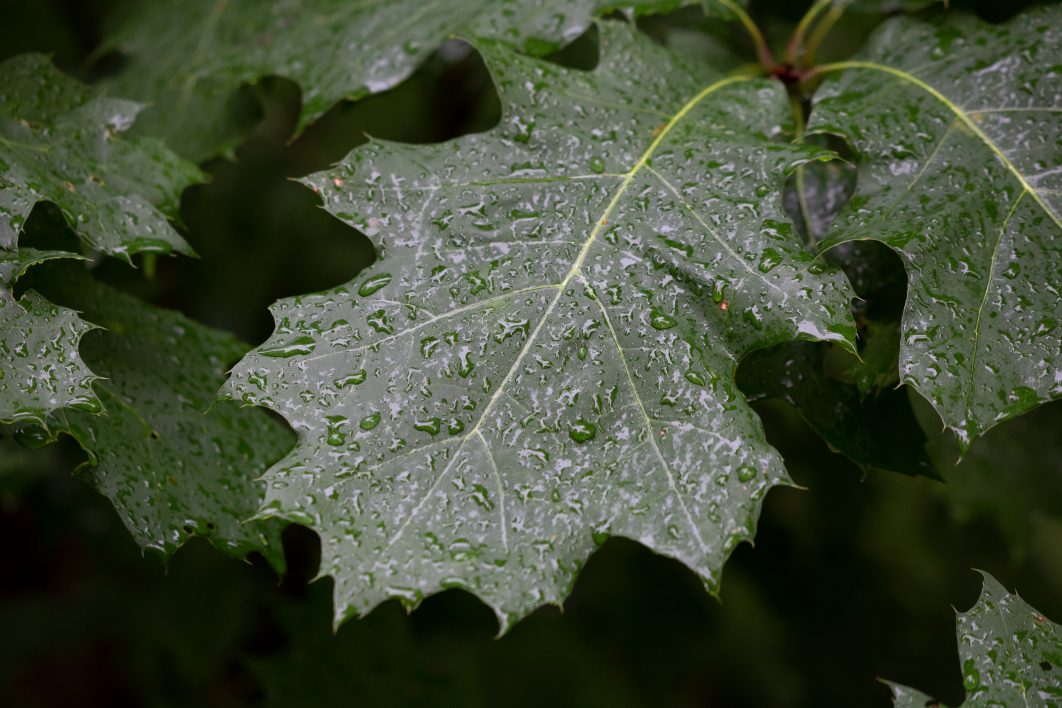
(544, 354)
(171, 467)
(1010, 654)
(41, 369)
(188, 58)
(957, 138)
(60, 141)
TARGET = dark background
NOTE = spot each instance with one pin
(853, 578)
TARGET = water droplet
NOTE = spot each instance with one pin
(694, 378)
(350, 379)
(582, 431)
(460, 549)
(428, 345)
(431, 426)
(336, 434)
(481, 497)
(769, 260)
(597, 165)
(511, 326)
(660, 320)
(373, 284)
(466, 365)
(380, 322)
(296, 347)
(746, 473)
(370, 421)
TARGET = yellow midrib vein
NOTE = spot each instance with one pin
(984, 301)
(961, 114)
(964, 117)
(599, 225)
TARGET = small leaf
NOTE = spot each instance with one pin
(60, 141)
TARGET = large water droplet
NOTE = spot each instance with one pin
(432, 426)
(373, 284)
(350, 379)
(660, 320)
(582, 431)
(296, 347)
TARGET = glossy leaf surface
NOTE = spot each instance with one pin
(41, 369)
(957, 138)
(544, 353)
(188, 57)
(171, 467)
(1010, 654)
(60, 142)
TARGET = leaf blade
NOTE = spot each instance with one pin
(60, 142)
(172, 468)
(41, 370)
(489, 367)
(981, 339)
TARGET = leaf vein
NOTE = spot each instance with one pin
(648, 423)
(572, 273)
(962, 114)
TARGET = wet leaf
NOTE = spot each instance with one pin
(187, 57)
(171, 467)
(40, 368)
(875, 429)
(60, 141)
(957, 138)
(544, 354)
(1010, 654)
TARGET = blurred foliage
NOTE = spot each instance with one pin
(850, 579)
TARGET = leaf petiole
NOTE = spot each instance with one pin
(796, 42)
(822, 30)
(763, 52)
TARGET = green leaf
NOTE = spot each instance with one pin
(904, 697)
(875, 430)
(40, 368)
(544, 353)
(187, 57)
(1010, 654)
(171, 467)
(60, 142)
(957, 138)
(815, 194)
